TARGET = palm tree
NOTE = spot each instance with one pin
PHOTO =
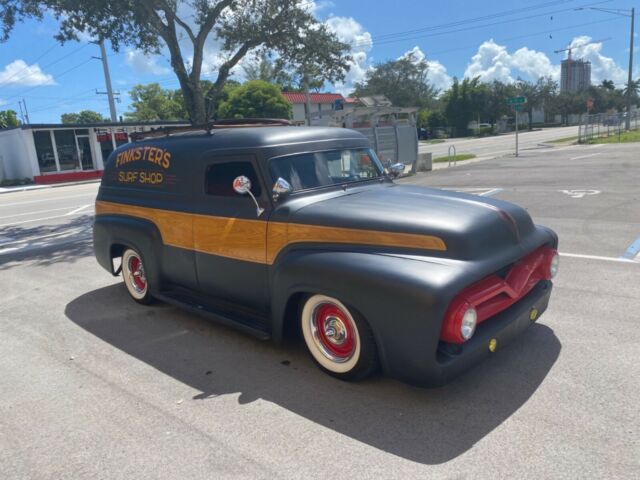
(608, 85)
(634, 86)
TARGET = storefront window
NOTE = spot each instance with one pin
(67, 150)
(44, 151)
(121, 138)
(106, 145)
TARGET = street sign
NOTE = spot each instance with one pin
(516, 100)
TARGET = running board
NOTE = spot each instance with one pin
(252, 324)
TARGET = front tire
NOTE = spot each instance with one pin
(339, 339)
(134, 276)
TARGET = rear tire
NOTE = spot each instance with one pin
(338, 338)
(134, 276)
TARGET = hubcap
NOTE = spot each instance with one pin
(333, 332)
(136, 274)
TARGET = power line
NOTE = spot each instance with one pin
(6, 81)
(403, 36)
(58, 60)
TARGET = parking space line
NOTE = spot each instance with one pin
(585, 156)
(633, 250)
(37, 220)
(491, 193)
(26, 214)
(597, 257)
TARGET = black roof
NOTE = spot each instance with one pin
(253, 137)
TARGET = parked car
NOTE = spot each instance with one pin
(280, 228)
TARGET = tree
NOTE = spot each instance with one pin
(183, 27)
(463, 102)
(152, 102)
(255, 99)
(85, 116)
(268, 71)
(9, 119)
(608, 85)
(537, 94)
(403, 81)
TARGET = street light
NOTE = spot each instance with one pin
(623, 13)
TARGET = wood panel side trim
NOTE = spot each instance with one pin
(257, 240)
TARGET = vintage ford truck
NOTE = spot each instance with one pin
(275, 228)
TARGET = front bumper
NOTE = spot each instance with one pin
(503, 327)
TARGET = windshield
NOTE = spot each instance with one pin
(319, 169)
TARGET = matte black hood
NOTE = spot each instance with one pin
(471, 226)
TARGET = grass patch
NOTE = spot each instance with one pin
(564, 140)
(458, 158)
(625, 137)
(433, 141)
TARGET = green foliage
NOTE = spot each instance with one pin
(183, 28)
(458, 158)
(403, 81)
(152, 102)
(463, 102)
(436, 119)
(8, 119)
(255, 99)
(85, 116)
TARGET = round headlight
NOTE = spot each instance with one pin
(468, 325)
(554, 264)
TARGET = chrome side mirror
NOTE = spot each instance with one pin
(242, 185)
(396, 169)
(280, 188)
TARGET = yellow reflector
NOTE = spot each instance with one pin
(493, 344)
(533, 314)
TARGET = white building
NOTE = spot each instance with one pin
(50, 153)
(322, 106)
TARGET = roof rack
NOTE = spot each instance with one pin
(209, 126)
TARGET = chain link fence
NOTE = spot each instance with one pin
(606, 125)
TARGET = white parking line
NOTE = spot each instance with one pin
(79, 209)
(48, 199)
(24, 214)
(597, 257)
(491, 193)
(36, 220)
(585, 156)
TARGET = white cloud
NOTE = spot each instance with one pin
(18, 73)
(491, 62)
(349, 31)
(602, 68)
(141, 63)
(494, 62)
(436, 74)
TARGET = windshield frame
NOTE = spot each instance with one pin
(374, 157)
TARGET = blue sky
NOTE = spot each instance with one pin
(515, 39)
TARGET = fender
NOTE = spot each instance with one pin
(141, 235)
(402, 298)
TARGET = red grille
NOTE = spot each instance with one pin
(494, 294)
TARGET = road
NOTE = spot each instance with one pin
(96, 386)
(501, 145)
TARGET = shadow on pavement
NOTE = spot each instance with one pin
(429, 426)
(46, 245)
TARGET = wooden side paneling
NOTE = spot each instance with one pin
(255, 240)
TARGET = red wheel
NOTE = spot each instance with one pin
(339, 341)
(135, 278)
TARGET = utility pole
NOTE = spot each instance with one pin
(516, 132)
(623, 13)
(26, 113)
(307, 100)
(21, 112)
(630, 81)
(107, 81)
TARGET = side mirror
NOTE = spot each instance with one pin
(396, 169)
(280, 188)
(242, 186)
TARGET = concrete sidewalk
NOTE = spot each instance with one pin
(24, 188)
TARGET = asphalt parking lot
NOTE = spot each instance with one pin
(94, 385)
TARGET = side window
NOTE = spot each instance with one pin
(219, 178)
